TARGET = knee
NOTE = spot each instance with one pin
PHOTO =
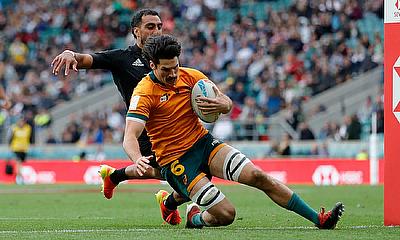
(227, 216)
(130, 171)
(261, 180)
(258, 177)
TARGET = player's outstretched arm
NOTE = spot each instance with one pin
(71, 60)
(220, 104)
(133, 130)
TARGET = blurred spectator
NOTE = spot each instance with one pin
(362, 155)
(335, 131)
(223, 128)
(325, 132)
(71, 134)
(28, 117)
(51, 139)
(314, 149)
(20, 141)
(274, 150)
(290, 53)
(305, 132)
(323, 150)
(378, 108)
(237, 94)
(293, 115)
(42, 118)
(365, 112)
(18, 53)
(80, 157)
(377, 50)
(343, 131)
(354, 129)
(4, 101)
(248, 118)
(225, 52)
(318, 109)
(380, 121)
(284, 145)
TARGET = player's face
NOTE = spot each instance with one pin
(150, 26)
(167, 71)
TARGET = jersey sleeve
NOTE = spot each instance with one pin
(139, 107)
(105, 59)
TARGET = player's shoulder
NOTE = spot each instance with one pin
(134, 49)
(191, 75)
(145, 86)
(113, 56)
(190, 71)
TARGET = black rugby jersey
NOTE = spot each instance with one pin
(128, 67)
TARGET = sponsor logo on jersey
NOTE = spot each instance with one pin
(138, 63)
(164, 97)
(215, 142)
(134, 102)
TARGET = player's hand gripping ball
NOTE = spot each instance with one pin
(203, 88)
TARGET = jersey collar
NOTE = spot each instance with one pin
(136, 48)
(155, 79)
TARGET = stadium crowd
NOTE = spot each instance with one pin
(264, 64)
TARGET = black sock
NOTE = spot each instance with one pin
(171, 203)
(118, 176)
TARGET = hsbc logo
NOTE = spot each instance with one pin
(31, 176)
(326, 175)
(329, 175)
(396, 89)
(28, 175)
(91, 175)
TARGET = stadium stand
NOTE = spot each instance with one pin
(267, 55)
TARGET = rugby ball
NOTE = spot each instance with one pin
(203, 88)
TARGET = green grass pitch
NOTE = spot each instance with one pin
(80, 212)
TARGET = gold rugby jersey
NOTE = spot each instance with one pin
(171, 123)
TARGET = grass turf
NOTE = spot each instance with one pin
(80, 212)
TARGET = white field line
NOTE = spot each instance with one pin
(162, 230)
(52, 218)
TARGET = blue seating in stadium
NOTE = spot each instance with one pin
(225, 17)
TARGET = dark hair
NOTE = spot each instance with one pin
(161, 47)
(137, 17)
